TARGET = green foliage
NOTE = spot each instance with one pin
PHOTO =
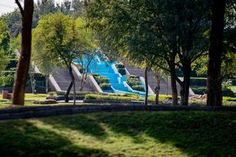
(228, 92)
(113, 97)
(135, 83)
(119, 65)
(7, 78)
(101, 79)
(198, 81)
(138, 87)
(4, 45)
(122, 71)
(199, 90)
(226, 84)
(105, 86)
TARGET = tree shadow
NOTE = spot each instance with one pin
(195, 133)
(22, 139)
(83, 123)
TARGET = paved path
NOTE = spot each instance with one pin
(45, 111)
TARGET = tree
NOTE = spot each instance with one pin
(214, 78)
(4, 44)
(169, 31)
(57, 39)
(25, 54)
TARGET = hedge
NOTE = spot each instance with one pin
(198, 81)
(203, 90)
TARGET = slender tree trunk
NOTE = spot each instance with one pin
(157, 90)
(46, 82)
(71, 84)
(214, 79)
(74, 95)
(24, 60)
(146, 86)
(186, 82)
(173, 84)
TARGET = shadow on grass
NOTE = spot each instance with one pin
(22, 139)
(84, 123)
(195, 133)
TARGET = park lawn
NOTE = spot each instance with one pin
(29, 98)
(117, 134)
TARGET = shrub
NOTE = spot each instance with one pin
(81, 70)
(105, 86)
(133, 76)
(122, 71)
(102, 79)
(228, 92)
(135, 83)
(138, 87)
(113, 97)
(120, 66)
(198, 81)
(199, 90)
(95, 75)
(234, 82)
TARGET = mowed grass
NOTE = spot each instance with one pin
(29, 98)
(127, 134)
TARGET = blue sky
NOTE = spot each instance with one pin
(9, 5)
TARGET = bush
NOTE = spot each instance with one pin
(133, 76)
(135, 83)
(122, 71)
(113, 97)
(120, 66)
(105, 86)
(234, 82)
(228, 92)
(101, 79)
(95, 75)
(199, 90)
(202, 90)
(198, 81)
(138, 87)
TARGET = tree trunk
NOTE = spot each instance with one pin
(186, 82)
(157, 89)
(146, 86)
(74, 95)
(173, 85)
(46, 83)
(71, 84)
(214, 79)
(24, 60)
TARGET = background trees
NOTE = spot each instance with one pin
(168, 34)
(4, 44)
(60, 40)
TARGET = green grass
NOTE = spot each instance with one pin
(233, 88)
(130, 134)
(29, 98)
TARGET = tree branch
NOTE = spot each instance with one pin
(20, 7)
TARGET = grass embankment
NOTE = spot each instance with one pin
(149, 134)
